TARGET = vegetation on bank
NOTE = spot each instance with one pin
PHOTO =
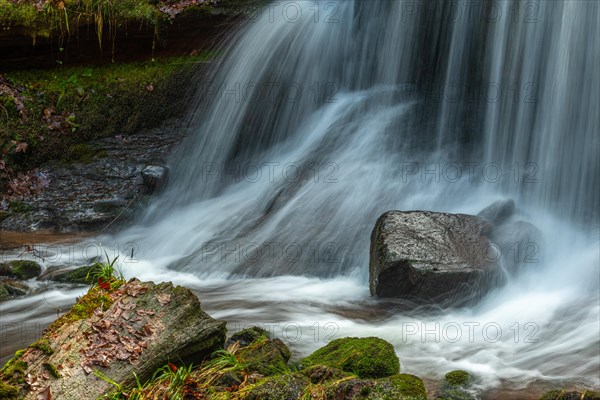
(46, 18)
(51, 115)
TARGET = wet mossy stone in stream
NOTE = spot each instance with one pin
(258, 353)
(247, 336)
(368, 357)
(12, 288)
(571, 395)
(458, 377)
(81, 275)
(281, 387)
(20, 269)
(396, 387)
(456, 386)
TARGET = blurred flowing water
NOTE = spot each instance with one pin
(323, 115)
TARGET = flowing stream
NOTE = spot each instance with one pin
(321, 116)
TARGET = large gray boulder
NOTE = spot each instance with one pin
(498, 212)
(432, 257)
(113, 332)
(520, 244)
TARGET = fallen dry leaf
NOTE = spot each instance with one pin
(45, 394)
(163, 298)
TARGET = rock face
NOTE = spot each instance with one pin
(520, 244)
(132, 327)
(20, 269)
(103, 192)
(498, 212)
(154, 176)
(431, 257)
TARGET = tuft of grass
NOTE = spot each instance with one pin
(106, 275)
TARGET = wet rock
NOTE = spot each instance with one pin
(498, 212)
(281, 387)
(457, 386)
(247, 336)
(105, 192)
(397, 387)
(20, 269)
(154, 177)
(14, 288)
(261, 355)
(81, 275)
(323, 373)
(128, 327)
(369, 357)
(519, 244)
(432, 257)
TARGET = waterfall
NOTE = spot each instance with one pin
(320, 116)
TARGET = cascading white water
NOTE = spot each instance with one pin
(321, 116)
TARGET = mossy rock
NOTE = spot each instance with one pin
(4, 294)
(281, 387)
(81, 275)
(571, 395)
(8, 392)
(322, 373)
(456, 386)
(369, 357)
(13, 372)
(458, 377)
(20, 269)
(247, 336)
(262, 355)
(15, 288)
(396, 387)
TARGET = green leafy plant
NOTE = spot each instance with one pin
(105, 275)
(177, 378)
(119, 393)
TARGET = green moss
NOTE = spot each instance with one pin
(21, 269)
(44, 345)
(81, 152)
(52, 370)
(4, 215)
(288, 386)
(81, 275)
(18, 207)
(408, 385)
(262, 355)
(8, 392)
(84, 308)
(457, 378)
(456, 385)
(69, 107)
(14, 370)
(366, 357)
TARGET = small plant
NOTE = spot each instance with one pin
(105, 275)
(177, 377)
(119, 393)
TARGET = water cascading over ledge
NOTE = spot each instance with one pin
(312, 127)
